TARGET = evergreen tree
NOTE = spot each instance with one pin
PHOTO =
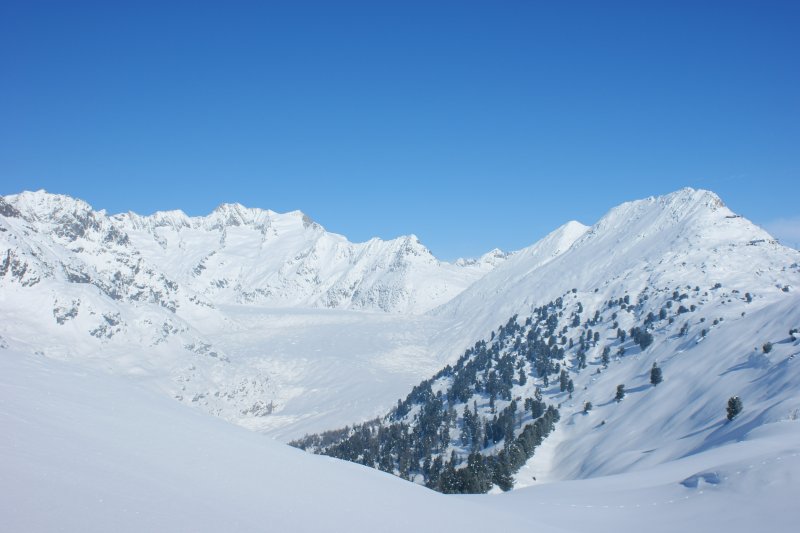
(734, 407)
(587, 407)
(606, 356)
(645, 339)
(581, 359)
(563, 379)
(501, 474)
(656, 376)
(620, 393)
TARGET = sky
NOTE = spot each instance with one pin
(472, 124)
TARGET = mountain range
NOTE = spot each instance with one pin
(271, 322)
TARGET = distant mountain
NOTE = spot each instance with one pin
(241, 255)
(226, 312)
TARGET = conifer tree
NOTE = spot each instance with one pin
(734, 407)
(656, 375)
(620, 393)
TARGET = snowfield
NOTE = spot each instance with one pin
(85, 451)
(82, 451)
(112, 326)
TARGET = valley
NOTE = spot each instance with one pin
(268, 321)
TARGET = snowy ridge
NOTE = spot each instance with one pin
(517, 267)
(686, 237)
(246, 255)
(254, 256)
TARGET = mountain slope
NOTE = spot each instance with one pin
(677, 282)
(522, 265)
(91, 452)
(688, 237)
(82, 451)
(742, 487)
(475, 423)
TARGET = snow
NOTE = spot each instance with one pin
(685, 414)
(85, 451)
(268, 321)
(243, 313)
(686, 237)
(330, 367)
(247, 255)
(82, 451)
(749, 485)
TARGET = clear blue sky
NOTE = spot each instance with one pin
(471, 124)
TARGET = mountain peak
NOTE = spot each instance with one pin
(233, 214)
(691, 195)
(40, 204)
(689, 213)
(236, 214)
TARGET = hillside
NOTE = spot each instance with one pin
(688, 237)
(83, 451)
(678, 282)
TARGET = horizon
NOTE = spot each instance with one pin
(587, 224)
(473, 126)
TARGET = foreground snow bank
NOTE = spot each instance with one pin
(746, 486)
(86, 452)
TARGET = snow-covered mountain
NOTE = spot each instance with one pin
(688, 237)
(242, 312)
(271, 322)
(676, 286)
(240, 255)
(230, 312)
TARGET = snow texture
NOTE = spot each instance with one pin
(271, 322)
